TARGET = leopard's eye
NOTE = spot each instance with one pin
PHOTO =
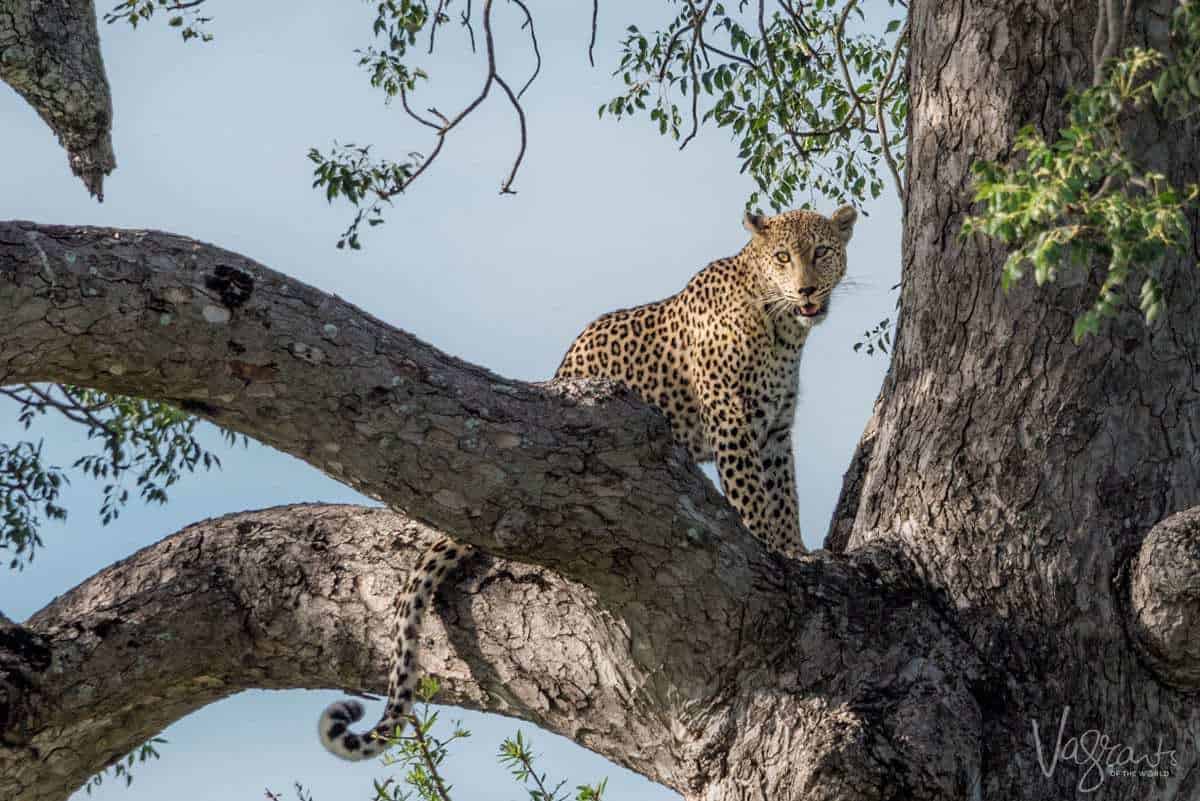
(820, 251)
(783, 257)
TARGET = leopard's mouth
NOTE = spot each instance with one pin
(810, 309)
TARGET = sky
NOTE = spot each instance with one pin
(211, 142)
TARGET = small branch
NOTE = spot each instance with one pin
(881, 122)
(415, 115)
(466, 22)
(434, 22)
(536, 52)
(506, 187)
(666, 62)
(731, 56)
(448, 125)
(839, 46)
(791, 132)
(698, 18)
(431, 766)
(592, 40)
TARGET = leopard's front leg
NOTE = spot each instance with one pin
(758, 481)
(779, 468)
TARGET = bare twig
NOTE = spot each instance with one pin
(466, 23)
(506, 187)
(434, 22)
(413, 114)
(698, 18)
(448, 124)
(592, 41)
(731, 56)
(537, 53)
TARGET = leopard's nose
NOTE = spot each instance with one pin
(805, 291)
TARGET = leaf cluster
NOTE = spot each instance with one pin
(184, 14)
(876, 340)
(150, 442)
(797, 91)
(123, 768)
(349, 171)
(1083, 198)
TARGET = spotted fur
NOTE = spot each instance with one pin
(334, 727)
(721, 359)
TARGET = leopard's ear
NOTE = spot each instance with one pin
(755, 223)
(844, 219)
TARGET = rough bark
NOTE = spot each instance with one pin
(1022, 472)
(50, 54)
(295, 596)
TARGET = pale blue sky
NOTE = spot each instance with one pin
(211, 143)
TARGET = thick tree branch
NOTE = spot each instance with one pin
(574, 476)
(297, 597)
(301, 597)
(50, 54)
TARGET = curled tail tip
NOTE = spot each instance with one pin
(339, 740)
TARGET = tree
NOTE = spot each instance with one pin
(1007, 606)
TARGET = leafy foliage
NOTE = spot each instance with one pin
(1084, 198)
(420, 755)
(815, 108)
(516, 754)
(26, 485)
(185, 15)
(810, 103)
(350, 172)
(151, 442)
(123, 768)
(807, 101)
(877, 339)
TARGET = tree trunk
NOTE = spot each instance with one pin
(1021, 472)
(1007, 608)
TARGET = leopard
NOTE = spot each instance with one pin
(720, 359)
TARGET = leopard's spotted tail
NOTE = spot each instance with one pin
(334, 726)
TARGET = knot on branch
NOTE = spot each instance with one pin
(23, 654)
(1165, 599)
(586, 391)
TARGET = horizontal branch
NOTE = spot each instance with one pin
(51, 56)
(301, 596)
(550, 473)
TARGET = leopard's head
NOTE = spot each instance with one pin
(801, 255)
